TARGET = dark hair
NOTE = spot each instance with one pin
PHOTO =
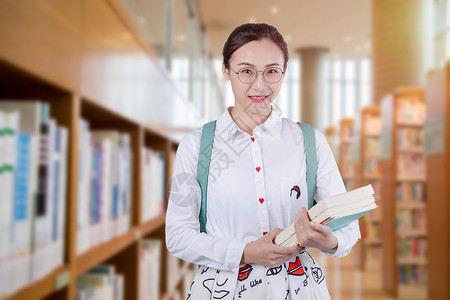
(249, 32)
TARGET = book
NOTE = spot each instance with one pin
(335, 212)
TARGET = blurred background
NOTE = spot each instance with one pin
(95, 96)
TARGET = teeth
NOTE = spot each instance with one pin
(262, 97)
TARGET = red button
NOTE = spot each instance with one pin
(265, 232)
(261, 200)
(257, 169)
(253, 139)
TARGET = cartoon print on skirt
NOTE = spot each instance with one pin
(298, 278)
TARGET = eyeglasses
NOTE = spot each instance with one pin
(249, 74)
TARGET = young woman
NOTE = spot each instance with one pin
(256, 187)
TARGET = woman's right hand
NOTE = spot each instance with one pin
(264, 252)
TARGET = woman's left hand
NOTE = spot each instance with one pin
(311, 234)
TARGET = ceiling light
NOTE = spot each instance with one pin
(348, 38)
(274, 9)
(367, 46)
(142, 20)
(252, 20)
(288, 38)
(357, 48)
(181, 37)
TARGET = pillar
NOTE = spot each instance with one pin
(312, 74)
(401, 43)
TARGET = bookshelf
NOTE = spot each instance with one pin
(82, 68)
(437, 188)
(330, 135)
(367, 171)
(403, 182)
(346, 134)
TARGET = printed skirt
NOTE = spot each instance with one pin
(299, 278)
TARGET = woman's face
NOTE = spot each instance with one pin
(258, 95)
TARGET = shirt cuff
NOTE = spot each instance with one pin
(234, 255)
(340, 247)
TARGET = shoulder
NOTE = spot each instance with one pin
(297, 133)
(190, 142)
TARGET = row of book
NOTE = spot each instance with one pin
(411, 111)
(411, 164)
(101, 282)
(413, 247)
(372, 147)
(371, 167)
(411, 219)
(373, 232)
(410, 138)
(33, 181)
(150, 269)
(372, 125)
(154, 185)
(411, 192)
(412, 275)
(104, 185)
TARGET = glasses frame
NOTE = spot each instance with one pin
(256, 77)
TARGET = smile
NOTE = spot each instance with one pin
(258, 99)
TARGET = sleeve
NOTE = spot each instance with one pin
(183, 237)
(329, 183)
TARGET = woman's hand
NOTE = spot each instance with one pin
(264, 252)
(311, 234)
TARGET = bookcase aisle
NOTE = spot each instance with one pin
(437, 138)
(403, 191)
(367, 171)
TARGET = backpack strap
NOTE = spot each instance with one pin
(311, 161)
(204, 160)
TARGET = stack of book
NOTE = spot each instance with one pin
(104, 186)
(101, 282)
(150, 269)
(153, 183)
(33, 181)
(335, 212)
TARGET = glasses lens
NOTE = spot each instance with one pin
(272, 75)
(247, 75)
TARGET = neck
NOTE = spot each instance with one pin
(248, 119)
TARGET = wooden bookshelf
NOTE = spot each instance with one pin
(437, 139)
(346, 135)
(77, 56)
(402, 176)
(367, 171)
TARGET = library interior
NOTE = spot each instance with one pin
(96, 95)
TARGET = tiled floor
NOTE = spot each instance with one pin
(346, 283)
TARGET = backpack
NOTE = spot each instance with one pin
(204, 161)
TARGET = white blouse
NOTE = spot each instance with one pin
(252, 189)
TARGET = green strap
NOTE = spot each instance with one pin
(204, 160)
(311, 161)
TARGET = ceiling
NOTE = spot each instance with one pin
(343, 26)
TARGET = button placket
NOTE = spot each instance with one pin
(260, 188)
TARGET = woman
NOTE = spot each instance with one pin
(256, 185)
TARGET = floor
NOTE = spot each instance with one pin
(346, 283)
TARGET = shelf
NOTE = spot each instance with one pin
(372, 177)
(410, 150)
(41, 288)
(372, 242)
(410, 178)
(102, 252)
(411, 233)
(410, 125)
(412, 205)
(421, 261)
(152, 224)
